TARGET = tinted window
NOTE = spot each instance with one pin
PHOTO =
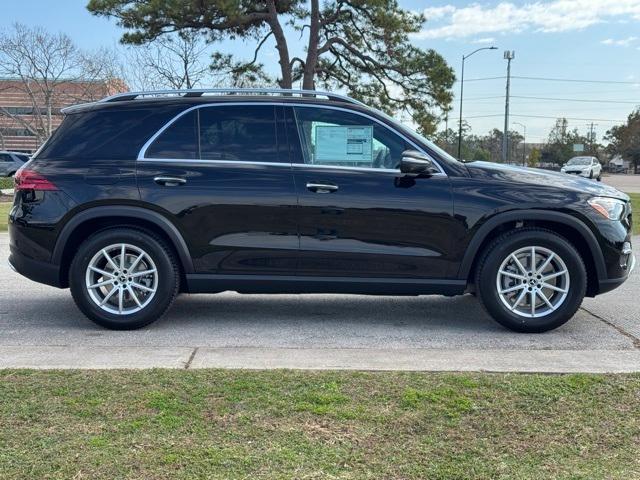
(23, 158)
(4, 157)
(339, 138)
(238, 133)
(179, 140)
(109, 133)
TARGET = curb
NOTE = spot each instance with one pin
(506, 361)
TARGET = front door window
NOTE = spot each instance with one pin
(342, 139)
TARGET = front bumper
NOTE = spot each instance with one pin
(580, 173)
(38, 271)
(613, 283)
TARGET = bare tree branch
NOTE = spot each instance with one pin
(50, 71)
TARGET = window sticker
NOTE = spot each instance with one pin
(336, 144)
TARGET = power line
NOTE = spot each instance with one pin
(551, 117)
(577, 100)
(485, 98)
(550, 79)
(576, 80)
(557, 99)
(483, 79)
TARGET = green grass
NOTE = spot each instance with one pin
(6, 182)
(4, 215)
(635, 205)
(287, 424)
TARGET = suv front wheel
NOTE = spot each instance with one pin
(124, 278)
(531, 280)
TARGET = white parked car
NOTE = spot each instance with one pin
(584, 166)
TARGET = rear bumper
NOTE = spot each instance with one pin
(41, 272)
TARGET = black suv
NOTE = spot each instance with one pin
(141, 196)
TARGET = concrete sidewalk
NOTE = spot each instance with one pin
(532, 361)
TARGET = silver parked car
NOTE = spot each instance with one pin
(10, 162)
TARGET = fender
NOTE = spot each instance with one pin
(502, 218)
(125, 211)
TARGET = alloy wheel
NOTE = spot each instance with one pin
(533, 282)
(121, 279)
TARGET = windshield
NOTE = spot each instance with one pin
(437, 149)
(579, 161)
(429, 143)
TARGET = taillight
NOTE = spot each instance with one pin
(26, 179)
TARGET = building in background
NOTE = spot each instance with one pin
(25, 115)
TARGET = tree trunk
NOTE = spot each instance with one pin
(312, 50)
(281, 45)
(49, 117)
(186, 73)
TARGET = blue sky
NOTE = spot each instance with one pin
(569, 39)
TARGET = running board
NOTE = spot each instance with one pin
(212, 283)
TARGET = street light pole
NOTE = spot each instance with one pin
(464, 57)
(524, 141)
(508, 56)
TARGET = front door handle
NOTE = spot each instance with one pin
(322, 187)
(170, 181)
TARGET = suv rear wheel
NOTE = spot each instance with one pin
(531, 280)
(124, 278)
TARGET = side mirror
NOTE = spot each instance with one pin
(416, 163)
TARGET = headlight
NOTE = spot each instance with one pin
(610, 208)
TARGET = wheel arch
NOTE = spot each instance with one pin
(569, 227)
(94, 219)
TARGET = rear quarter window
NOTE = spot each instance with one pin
(107, 133)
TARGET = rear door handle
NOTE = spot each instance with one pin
(322, 187)
(170, 181)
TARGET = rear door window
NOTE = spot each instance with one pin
(232, 133)
(178, 141)
(239, 133)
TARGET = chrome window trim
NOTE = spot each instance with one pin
(343, 167)
(143, 150)
(271, 164)
(222, 162)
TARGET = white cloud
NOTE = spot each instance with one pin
(484, 40)
(623, 42)
(434, 13)
(541, 16)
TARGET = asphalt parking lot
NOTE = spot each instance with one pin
(40, 327)
(624, 183)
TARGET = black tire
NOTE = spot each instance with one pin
(599, 177)
(168, 278)
(500, 249)
(591, 174)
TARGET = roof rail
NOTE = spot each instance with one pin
(199, 92)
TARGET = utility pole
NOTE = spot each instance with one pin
(508, 56)
(464, 57)
(591, 137)
(524, 142)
